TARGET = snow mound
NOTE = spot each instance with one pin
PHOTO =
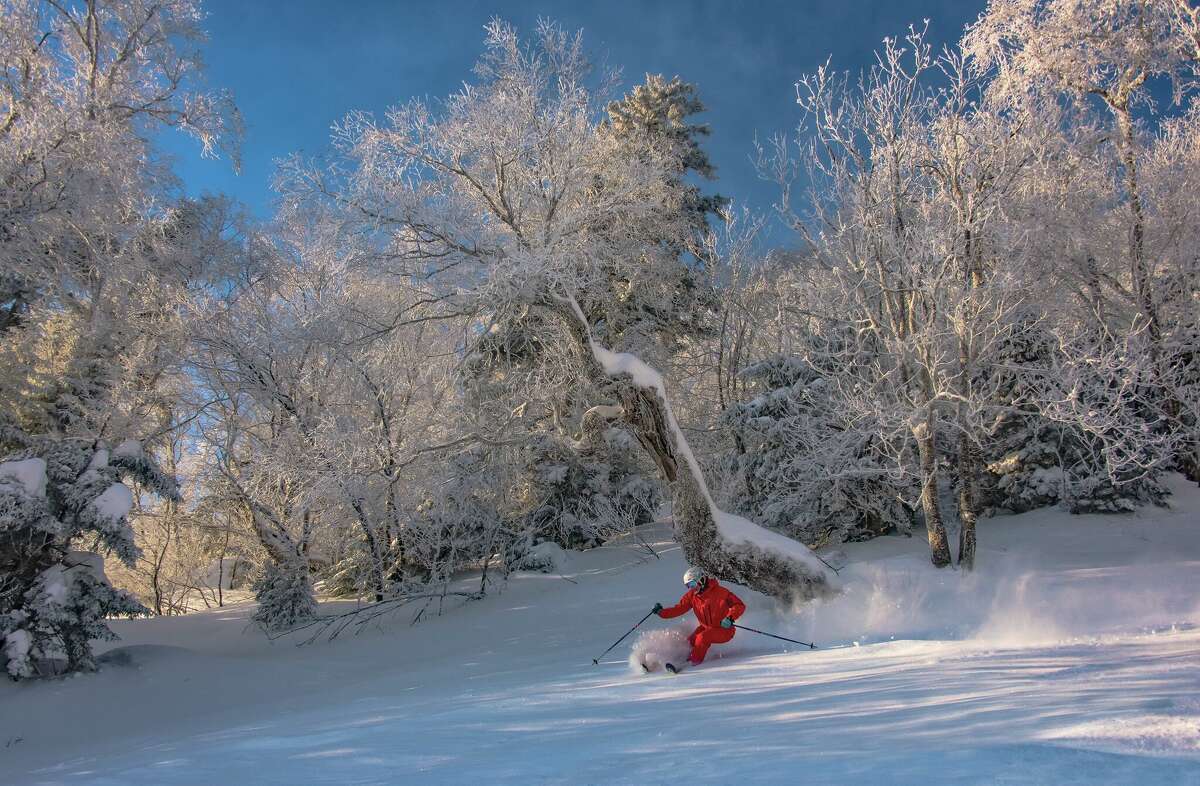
(28, 474)
(115, 503)
(546, 557)
(656, 647)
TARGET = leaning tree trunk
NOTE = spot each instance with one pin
(789, 577)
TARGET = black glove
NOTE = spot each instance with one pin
(657, 608)
(727, 622)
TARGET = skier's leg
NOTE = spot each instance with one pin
(700, 644)
(705, 638)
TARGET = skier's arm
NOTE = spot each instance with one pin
(682, 607)
(736, 607)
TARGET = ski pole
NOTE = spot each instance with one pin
(772, 635)
(596, 661)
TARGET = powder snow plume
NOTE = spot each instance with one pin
(656, 647)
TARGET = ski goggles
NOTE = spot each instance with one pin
(692, 584)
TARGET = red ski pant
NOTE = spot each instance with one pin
(704, 637)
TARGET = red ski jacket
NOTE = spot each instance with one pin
(712, 604)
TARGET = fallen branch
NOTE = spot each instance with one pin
(334, 625)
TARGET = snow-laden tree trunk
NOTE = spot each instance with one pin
(375, 549)
(727, 546)
(939, 546)
(968, 501)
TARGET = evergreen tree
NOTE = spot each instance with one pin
(1034, 461)
(57, 492)
(807, 470)
(665, 305)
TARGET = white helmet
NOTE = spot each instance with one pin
(694, 574)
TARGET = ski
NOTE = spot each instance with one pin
(671, 667)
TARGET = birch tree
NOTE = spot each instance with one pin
(1109, 52)
(907, 182)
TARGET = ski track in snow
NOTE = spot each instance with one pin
(1071, 657)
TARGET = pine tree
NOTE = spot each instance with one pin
(1033, 461)
(667, 304)
(285, 597)
(805, 470)
(56, 492)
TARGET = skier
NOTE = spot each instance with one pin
(716, 608)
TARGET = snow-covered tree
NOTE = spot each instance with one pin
(808, 466)
(908, 177)
(529, 362)
(56, 493)
(83, 86)
(1039, 452)
(326, 397)
(94, 262)
(1112, 53)
(510, 197)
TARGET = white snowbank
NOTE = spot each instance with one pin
(115, 503)
(29, 474)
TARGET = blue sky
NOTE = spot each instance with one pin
(297, 66)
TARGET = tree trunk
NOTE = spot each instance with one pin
(968, 467)
(1138, 273)
(378, 580)
(968, 502)
(935, 528)
(649, 416)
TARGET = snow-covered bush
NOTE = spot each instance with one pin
(581, 494)
(805, 470)
(53, 601)
(546, 557)
(285, 596)
(460, 527)
(1035, 461)
(1038, 463)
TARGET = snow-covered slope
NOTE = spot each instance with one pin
(1071, 657)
